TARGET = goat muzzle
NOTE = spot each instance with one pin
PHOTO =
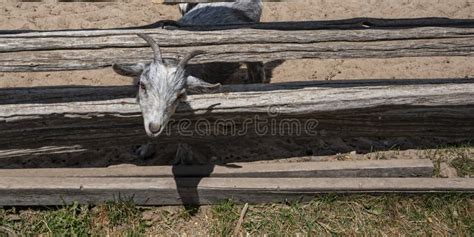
(154, 127)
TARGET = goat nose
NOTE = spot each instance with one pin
(154, 127)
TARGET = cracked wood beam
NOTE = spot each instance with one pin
(92, 49)
(35, 117)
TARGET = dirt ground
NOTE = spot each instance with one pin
(50, 15)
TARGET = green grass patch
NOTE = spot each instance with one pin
(361, 215)
(460, 157)
(73, 220)
(464, 166)
(385, 214)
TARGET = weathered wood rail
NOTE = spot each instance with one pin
(359, 168)
(35, 117)
(360, 38)
(26, 191)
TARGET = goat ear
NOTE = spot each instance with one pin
(194, 84)
(134, 70)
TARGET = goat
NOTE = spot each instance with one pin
(223, 13)
(164, 83)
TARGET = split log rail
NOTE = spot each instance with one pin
(36, 120)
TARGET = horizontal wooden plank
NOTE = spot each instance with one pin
(59, 60)
(360, 168)
(29, 191)
(89, 49)
(177, 38)
(31, 118)
(17, 104)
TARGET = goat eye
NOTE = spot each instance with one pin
(181, 96)
(142, 86)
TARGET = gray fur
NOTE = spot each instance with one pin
(162, 85)
(222, 13)
(186, 7)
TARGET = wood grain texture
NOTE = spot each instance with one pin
(359, 38)
(361, 168)
(30, 191)
(35, 117)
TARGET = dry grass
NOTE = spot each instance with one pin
(393, 214)
(460, 157)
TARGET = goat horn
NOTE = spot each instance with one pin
(188, 57)
(154, 46)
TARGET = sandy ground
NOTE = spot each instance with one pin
(51, 15)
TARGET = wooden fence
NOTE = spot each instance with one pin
(90, 117)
